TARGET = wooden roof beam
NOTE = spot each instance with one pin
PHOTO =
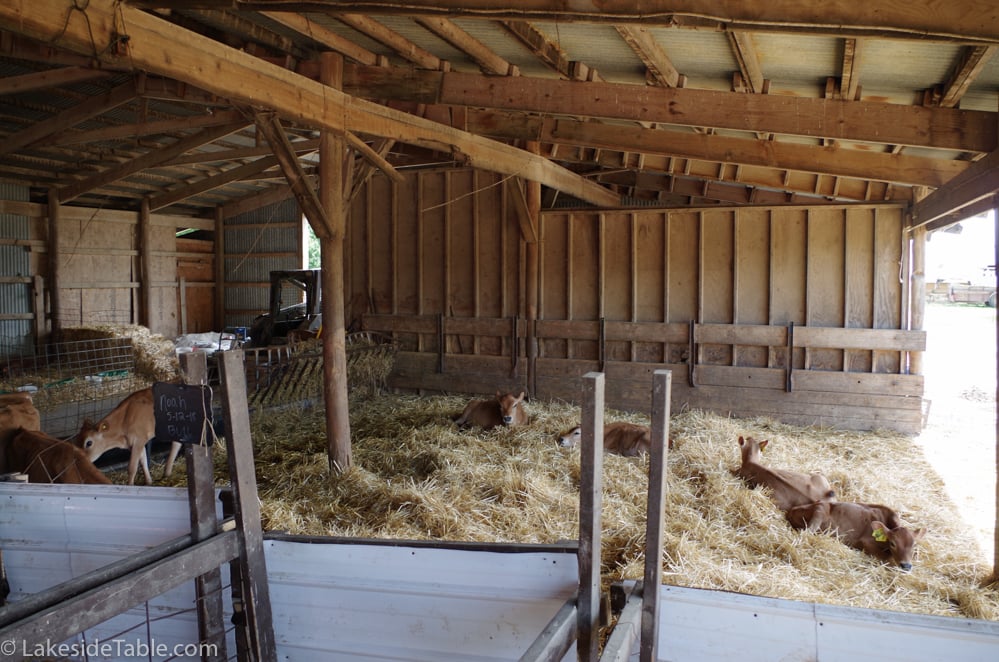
(980, 181)
(149, 160)
(488, 61)
(744, 50)
(849, 82)
(133, 131)
(537, 43)
(161, 48)
(943, 128)
(403, 47)
(70, 117)
(324, 36)
(839, 162)
(973, 60)
(43, 80)
(972, 20)
(659, 68)
(240, 173)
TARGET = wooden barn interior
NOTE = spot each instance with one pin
(518, 194)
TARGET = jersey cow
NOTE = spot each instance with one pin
(505, 409)
(790, 488)
(872, 528)
(130, 425)
(46, 459)
(622, 438)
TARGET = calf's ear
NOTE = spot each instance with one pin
(742, 440)
(878, 532)
(918, 534)
(763, 444)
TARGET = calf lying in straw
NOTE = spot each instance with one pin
(790, 488)
(872, 528)
(46, 459)
(628, 439)
(505, 409)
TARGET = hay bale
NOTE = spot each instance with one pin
(155, 355)
(416, 476)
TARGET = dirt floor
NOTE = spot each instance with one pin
(959, 439)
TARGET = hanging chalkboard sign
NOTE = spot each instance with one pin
(180, 412)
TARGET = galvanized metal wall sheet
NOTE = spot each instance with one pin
(52, 533)
(15, 298)
(764, 629)
(366, 602)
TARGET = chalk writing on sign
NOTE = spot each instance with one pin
(181, 412)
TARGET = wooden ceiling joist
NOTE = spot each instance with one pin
(154, 46)
(403, 47)
(325, 36)
(979, 182)
(749, 62)
(849, 84)
(42, 80)
(540, 45)
(973, 60)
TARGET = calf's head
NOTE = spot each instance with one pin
(508, 403)
(92, 439)
(570, 438)
(751, 449)
(901, 542)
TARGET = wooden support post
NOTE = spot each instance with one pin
(995, 533)
(918, 293)
(201, 495)
(145, 265)
(662, 383)
(54, 257)
(219, 290)
(591, 459)
(182, 289)
(532, 273)
(254, 589)
(38, 302)
(333, 199)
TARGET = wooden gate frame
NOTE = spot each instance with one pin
(58, 613)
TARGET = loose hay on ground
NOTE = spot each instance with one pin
(417, 477)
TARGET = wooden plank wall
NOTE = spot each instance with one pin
(100, 269)
(790, 312)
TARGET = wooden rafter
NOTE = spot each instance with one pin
(85, 110)
(137, 130)
(242, 78)
(979, 182)
(42, 80)
(149, 160)
(744, 50)
(537, 43)
(488, 61)
(849, 85)
(659, 68)
(323, 35)
(237, 174)
(973, 60)
(403, 47)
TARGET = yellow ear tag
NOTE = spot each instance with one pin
(880, 536)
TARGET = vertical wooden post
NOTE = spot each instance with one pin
(662, 382)
(38, 302)
(995, 534)
(201, 495)
(531, 274)
(55, 257)
(145, 265)
(331, 194)
(253, 568)
(918, 293)
(591, 459)
(182, 289)
(219, 290)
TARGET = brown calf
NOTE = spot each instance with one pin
(129, 425)
(17, 410)
(790, 488)
(622, 438)
(46, 459)
(872, 528)
(505, 409)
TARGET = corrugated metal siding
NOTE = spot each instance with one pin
(15, 298)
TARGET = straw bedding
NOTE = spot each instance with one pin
(417, 477)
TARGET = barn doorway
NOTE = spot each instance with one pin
(959, 438)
